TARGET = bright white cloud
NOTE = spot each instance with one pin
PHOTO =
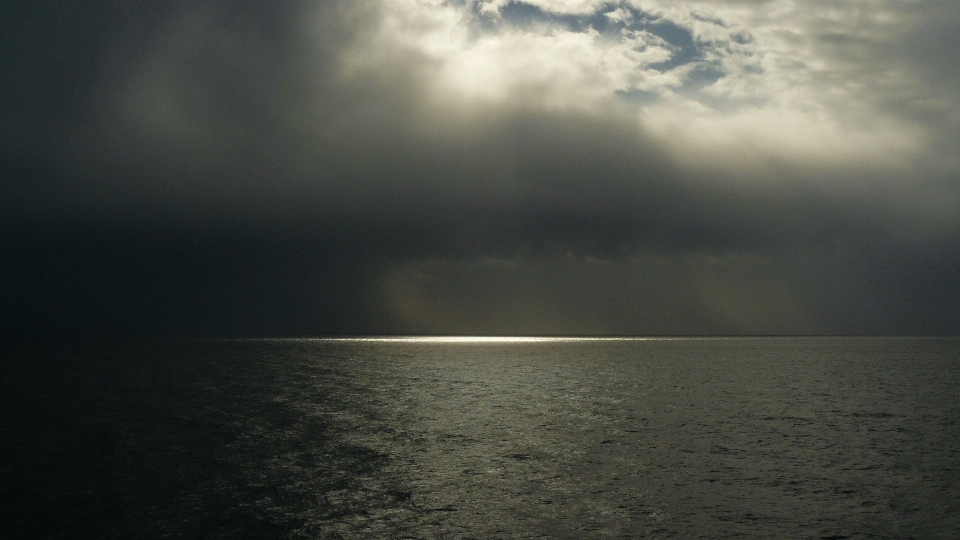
(838, 95)
(778, 79)
(543, 65)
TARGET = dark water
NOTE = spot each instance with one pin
(752, 438)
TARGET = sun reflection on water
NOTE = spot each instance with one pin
(483, 339)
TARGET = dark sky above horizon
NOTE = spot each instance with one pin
(480, 167)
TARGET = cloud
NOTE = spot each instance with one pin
(735, 84)
(592, 147)
(218, 93)
(688, 295)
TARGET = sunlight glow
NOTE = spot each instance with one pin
(486, 339)
(735, 84)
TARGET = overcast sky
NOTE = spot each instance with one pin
(481, 166)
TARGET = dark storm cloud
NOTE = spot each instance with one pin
(297, 168)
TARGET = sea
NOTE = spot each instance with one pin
(486, 438)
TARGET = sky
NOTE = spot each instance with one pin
(327, 167)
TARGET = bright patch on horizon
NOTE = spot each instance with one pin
(485, 339)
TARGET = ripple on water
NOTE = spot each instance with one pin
(527, 438)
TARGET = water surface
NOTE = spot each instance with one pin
(441, 438)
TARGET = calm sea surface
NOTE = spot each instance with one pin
(665, 438)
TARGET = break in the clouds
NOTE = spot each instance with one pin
(550, 166)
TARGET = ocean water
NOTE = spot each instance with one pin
(662, 438)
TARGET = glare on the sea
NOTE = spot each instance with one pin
(482, 339)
